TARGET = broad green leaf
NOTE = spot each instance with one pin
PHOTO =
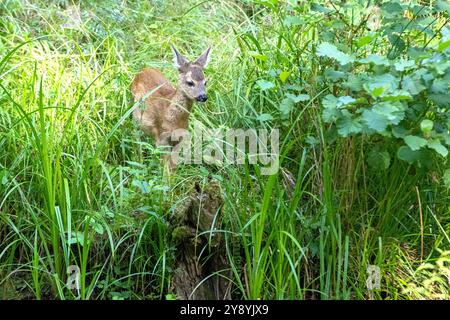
(293, 21)
(265, 85)
(426, 126)
(354, 83)
(403, 64)
(345, 100)
(319, 8)
(443, 5)
(442, 100)
(378, 160)
(77, 237)
(383, 114)
(375, 59)
(264, 117)
(406, 154)
(443, 45)
(392, 8)
(347, 125)
(330, 112)
(326, 49)
(414, 142)
(330, 101)
(374, 120)
(393, 111)
(412, 85)
(386, 81)
(436, 145)
(440, 86)
(334, 75)
(286, 106)
(399, 132)
(298, 98)
(332, 105)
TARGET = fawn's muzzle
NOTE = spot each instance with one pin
(202, 98)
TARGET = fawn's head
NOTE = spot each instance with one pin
(192, 79)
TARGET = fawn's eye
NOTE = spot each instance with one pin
(190, 83)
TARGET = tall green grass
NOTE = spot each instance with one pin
(80, 185)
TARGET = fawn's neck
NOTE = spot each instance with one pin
(182, 103)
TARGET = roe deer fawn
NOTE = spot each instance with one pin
(167, 109)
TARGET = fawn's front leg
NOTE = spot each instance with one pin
(165, 140)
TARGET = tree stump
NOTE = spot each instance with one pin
(201, 269)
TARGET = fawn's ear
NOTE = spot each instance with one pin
(203, 60)
(179, 61)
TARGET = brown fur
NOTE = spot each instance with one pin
(168, 109)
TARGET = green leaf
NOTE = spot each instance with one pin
(374, 120)
(378, 160)
(286, 106)
(334, 75)
(388, 82)
(319, 8)
(443, 5)
(375, 59)
(77, 237)
(447, 178)
(4, 176)
(406, 154)
(412, 85)
(345, 100)
(376, 92)
(284, 75)
(436, 145)
(293, 21)
(426, 126)
(383, 114)
(298, 98)
(361, 42)
(414, 142)
(264, 117)
(354, 83)
(348, 126)
(258, 55)
(440, 86)
(441, 100)
(265, 85)
(399, 132)
(443, 45)
(326, 49)
(403, 64)
(393, 111)
(392, 8)
(330, 112)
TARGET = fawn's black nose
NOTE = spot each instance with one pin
(202, 98)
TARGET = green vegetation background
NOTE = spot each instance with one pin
(358, 89)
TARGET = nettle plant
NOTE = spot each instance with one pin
(394, 82)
